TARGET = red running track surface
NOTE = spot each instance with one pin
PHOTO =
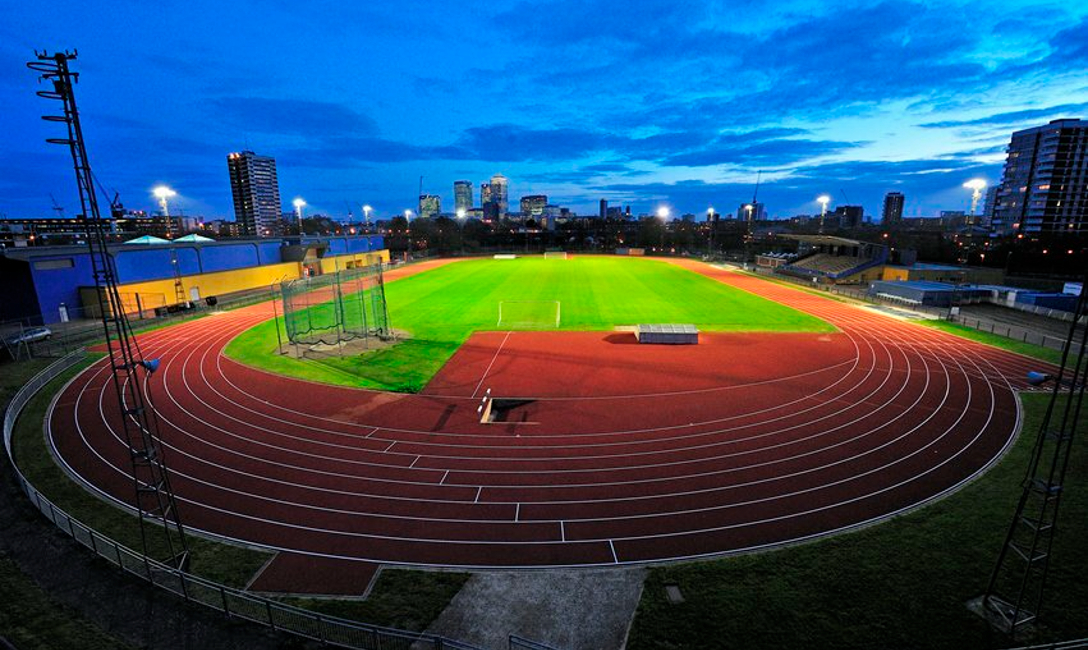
(620, 453)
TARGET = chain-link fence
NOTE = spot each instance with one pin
(29, 338)
(232, 602)
(334, 308)
(1014, 332)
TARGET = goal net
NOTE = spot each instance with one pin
(560, 255)
(529, 314)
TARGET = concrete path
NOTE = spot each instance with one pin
(568, 610)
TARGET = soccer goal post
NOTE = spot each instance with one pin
(529, 314)
(558, 255)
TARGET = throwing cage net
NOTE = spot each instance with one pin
(334, 308)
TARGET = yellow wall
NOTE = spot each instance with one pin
(340, 262)
(225, 282)
(896, 273)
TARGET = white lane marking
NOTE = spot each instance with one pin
(493, 358)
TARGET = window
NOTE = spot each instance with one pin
(51, 265)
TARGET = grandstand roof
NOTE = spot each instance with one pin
(829, 240)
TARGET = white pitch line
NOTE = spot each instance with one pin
(613, 547)
(414, 462)
(478, 491)
(493, 359)
(563, 529)
(389, 447)
(443, 481)
(517, 513)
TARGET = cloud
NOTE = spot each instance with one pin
(1032, 115)
(292, 116)
(762, 147)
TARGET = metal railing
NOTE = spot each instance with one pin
(520, 643)
(1014, 332)
(84, 327)
(234, 603)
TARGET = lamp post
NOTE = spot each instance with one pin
(408, 228)
(163, 193)
(823, 200)
(366, 216)
(976, 185)
(710, 228)
(461, 228)
(299, 204)
(663, 215)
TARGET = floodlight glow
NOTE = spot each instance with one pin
(823, 199)
(461, 213)
(163, 192)
(976, 184)
(298, 203)
(663, 212)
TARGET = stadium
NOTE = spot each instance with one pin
(544, 412)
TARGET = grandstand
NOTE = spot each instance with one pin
(836, 260)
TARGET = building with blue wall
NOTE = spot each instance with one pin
(36, 282)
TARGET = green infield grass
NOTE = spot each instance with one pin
(442, 307)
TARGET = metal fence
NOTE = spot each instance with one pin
(519, 643)
(234, 603)
(19, 339)
(1013, 332)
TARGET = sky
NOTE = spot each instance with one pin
(644, 103)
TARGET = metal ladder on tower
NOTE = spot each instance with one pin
(1016, 588)
(153, 497)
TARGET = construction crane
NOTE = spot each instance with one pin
(57, 207)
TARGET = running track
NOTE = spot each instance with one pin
(625, 454)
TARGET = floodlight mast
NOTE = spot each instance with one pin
(154, 498)
(299, 204)
(823, 200)
(976, 185)
(163, 194)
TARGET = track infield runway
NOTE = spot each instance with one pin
(607, 452)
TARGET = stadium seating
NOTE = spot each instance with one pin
(826, 265)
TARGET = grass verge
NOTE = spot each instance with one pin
(996, 340)
(400, 598)
(902, 584)
(409, 600)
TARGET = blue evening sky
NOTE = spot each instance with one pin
(643, 103)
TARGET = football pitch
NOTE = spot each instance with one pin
(442, 307)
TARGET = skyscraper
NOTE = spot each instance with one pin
(604, 209)
(430, 205)
(759, 211)
(1044, 187)
(500, 193)
(533, 205)
(462, 195)
(893, 209)
(485, 194)
(256, 192)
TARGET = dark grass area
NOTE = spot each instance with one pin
(404, 599)
(400, 598)
(31, 620)
(901, 584)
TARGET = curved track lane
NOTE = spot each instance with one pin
(748, 441)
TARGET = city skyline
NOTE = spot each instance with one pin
(633, 109)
